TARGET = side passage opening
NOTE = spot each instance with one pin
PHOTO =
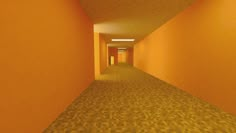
(112, 60)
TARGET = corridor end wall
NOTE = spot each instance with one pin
(46, 61)
(196, 52)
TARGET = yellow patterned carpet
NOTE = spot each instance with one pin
(126, 100)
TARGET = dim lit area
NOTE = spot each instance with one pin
(118, 66)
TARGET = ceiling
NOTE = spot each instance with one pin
(130, 18)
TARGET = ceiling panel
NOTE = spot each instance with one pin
(131, 18)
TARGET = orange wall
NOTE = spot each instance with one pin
(129, 55)
(196, 51)
(126, 56)
(113, 52)
(103, 53)
(46, 61)
(122, 56)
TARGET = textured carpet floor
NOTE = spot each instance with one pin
(126, 100)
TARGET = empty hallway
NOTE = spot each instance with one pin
(126, 100)
(117, 66)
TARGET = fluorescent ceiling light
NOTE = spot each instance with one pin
(122, 40)
(122, 48)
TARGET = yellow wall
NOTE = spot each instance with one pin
(103, 54)
(97, 54)
(100, 54)
(196, 51)
(46, 60)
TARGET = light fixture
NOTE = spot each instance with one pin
(122, 40)
(122, 48)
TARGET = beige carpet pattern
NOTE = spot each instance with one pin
(126, 100)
